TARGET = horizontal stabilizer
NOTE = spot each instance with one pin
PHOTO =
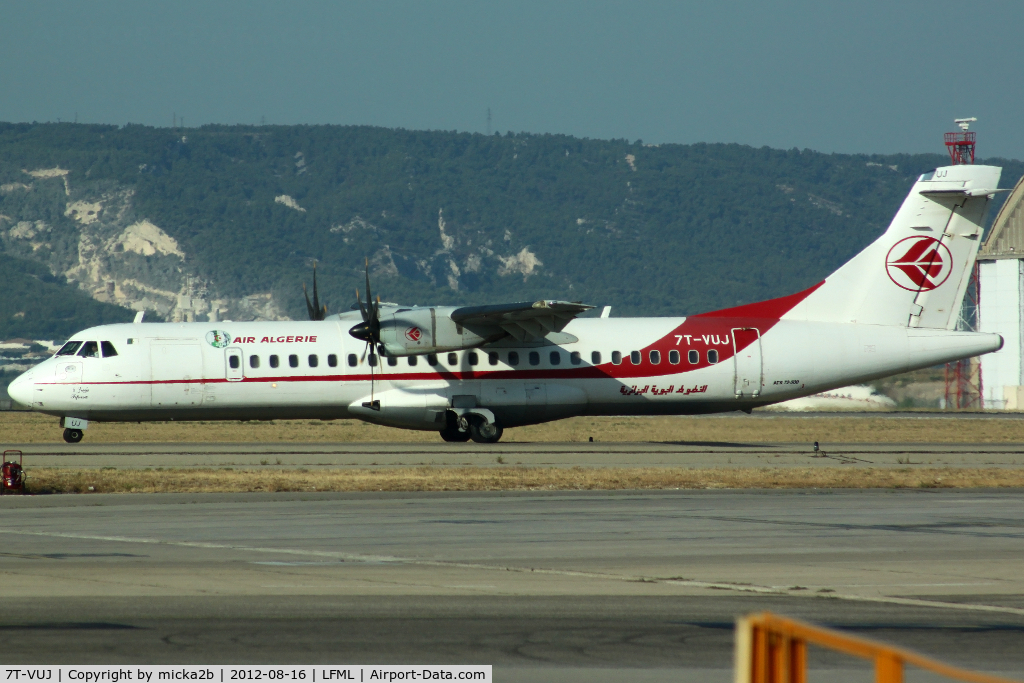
(962, 192)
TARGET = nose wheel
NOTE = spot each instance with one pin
(73, 435)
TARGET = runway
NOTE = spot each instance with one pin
(557, 586)
(585, 454)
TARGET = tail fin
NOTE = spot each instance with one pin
(915, 274)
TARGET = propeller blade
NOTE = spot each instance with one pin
(314, 309)
(309, 306)
(369, 296)
(362, 309)
(316, 300)
(369, 329)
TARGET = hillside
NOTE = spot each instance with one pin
(142, 216)
(37, 305)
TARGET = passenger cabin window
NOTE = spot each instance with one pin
(453, 359)
(332, 360)
(413, 360)
(595, 357)
(534, 358)
(634, 357)
(69, 348)
(513, 358)
(274, 361)
(693, 356)
(492, 358)
(555, 357)
(713, 356)
(431, 359)
(234, 362)
(655, 357)
(616, 358)
(108, 349)
(313, 360)
(254, 361)
(673, 357)
(574, 358)
(353, 360)
(392, 361)
(474, 358)
(293, 361)
(90, 350)
(372, 358)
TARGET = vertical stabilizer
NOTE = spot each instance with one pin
(916, 273)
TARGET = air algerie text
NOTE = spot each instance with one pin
(276, 340)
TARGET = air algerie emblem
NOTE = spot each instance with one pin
(413, 334)
(218, 339)
(919, 264)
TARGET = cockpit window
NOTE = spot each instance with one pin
(69, 348)
(90, 350)
(108, 349)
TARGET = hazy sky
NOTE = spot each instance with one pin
(866, 76)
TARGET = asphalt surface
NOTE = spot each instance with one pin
(682, 454)
(558, 586)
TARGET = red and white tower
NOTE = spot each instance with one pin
(961, 145)
(963, 377)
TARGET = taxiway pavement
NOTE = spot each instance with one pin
(545, 586)
(585, 454)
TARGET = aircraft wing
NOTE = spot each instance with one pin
(522, 321)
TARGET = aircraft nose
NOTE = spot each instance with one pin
(20, 390)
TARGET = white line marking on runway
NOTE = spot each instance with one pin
(356, 557)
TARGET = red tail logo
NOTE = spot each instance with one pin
(919, 263)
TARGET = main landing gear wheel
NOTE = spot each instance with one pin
(73, 435)
(453, 429)
(483, 431)
(454, 434)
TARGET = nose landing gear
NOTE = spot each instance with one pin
(73, 435)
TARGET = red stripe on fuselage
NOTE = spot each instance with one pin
(701, 332)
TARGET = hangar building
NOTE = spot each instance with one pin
(1001, 304)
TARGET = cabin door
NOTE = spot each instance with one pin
(177, 374)
(746, 345)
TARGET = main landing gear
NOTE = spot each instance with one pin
(462, 429)
(73, 435)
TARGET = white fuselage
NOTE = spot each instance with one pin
(889, 309)
(620, 366)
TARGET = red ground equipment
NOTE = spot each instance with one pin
(12, 474)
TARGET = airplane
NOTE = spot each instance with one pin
(472, 372)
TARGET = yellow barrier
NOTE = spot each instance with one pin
(773, 649)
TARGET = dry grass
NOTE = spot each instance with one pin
(60, 480)
(20, 427)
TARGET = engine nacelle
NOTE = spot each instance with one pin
(415, 331)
